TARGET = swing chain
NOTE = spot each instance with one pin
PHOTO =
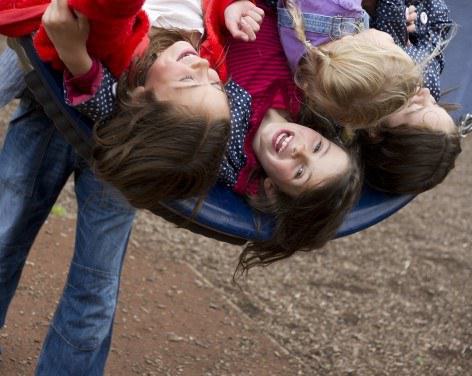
(465, 125)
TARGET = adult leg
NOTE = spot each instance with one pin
(79, 337)
(12, 81)
(34, 166)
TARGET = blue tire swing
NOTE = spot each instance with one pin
(224, 215)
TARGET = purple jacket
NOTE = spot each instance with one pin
(294, 49)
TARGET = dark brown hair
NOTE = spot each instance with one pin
(152, 150)
(305, 222)
(407, 159)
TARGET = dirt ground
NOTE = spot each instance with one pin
(391, 300)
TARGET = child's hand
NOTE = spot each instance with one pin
(411, 17)
(68, 32)
(243, 20)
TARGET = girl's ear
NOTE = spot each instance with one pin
(138, 94)
(270, 189)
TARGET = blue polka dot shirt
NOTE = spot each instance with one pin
(235, 159)
(433, 26)
(103, 104)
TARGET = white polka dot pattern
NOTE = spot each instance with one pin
(235, 159)
(390, 17)
(103, 103)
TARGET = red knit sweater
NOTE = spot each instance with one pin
(259, 67)
(118, 29)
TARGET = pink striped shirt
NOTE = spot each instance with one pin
(261, 68)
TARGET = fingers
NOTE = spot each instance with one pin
(82, 21)
(234, 30)
(251, 21)
(257, 14)
(243, 20)
(249, 27)
(411, 17)
(57, 12)
(62, 6)
(411, 28)
(245, 30)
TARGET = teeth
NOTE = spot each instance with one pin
(282, 141)
(286, 142)
(279, 138)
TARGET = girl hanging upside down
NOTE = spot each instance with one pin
(370, 82)
(305, 180)
(168, 133)
(413, 149)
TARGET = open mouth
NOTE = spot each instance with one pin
(281, 140)
(187, 52)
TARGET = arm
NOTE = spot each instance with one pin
(87, 85)
(389, 16)
(439, 22)
(98, 101)
(424, 41)
(68, 33)
(118, 33)
(429, 39)
(213, 47)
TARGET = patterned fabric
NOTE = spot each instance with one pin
(268, 80)
(81, 88)
(235, 159)
(296, 49)
(119, 28)
(432, 28)
(102, 104)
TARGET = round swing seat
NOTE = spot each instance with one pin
(223, 215)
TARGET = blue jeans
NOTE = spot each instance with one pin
(35, 163)
(12, 81)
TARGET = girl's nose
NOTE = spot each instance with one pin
(200, 63)
(298, 150)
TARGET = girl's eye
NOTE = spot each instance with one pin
(317, 147)
(187, 78)
(299, 172)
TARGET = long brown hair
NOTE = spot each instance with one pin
(152, 150)
(305, 222)
(406, 159)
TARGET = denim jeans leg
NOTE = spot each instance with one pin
(12, 81)
(34, 165)
(79, 338)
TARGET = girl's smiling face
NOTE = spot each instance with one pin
(180, 75)
(423, 111)
(296, 158)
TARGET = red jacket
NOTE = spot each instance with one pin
(118, 29)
